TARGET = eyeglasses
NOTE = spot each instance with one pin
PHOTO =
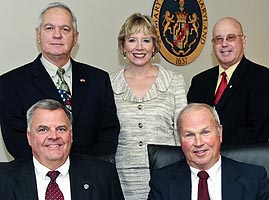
(228, 38)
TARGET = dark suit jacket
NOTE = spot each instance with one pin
(95, 126)
(19, 183)
(244, 106)
(240, 181)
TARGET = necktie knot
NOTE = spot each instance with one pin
(203, 193)
(203, 175)
(53, 191)
(221, 88)
(60, 72)
(223, 74)
(53, 175)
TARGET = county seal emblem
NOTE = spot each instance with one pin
(182, 29)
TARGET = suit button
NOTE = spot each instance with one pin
(139, 107)
(140, 143)
(140, 125)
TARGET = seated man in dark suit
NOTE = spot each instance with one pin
(200, 134)
(49, 133)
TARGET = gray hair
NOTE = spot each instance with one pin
(57, 5)
(196, 106)
(47, 104)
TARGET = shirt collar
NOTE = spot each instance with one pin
(52, 69)
(229, 72)
(43, 170)
(212, 172)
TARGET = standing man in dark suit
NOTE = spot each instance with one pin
(95, 126)
(201, 134)
(243, 107)
(49, 133)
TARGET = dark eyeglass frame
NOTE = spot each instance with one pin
(229, 38)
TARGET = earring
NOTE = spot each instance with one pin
(124, 55)
(153, 55)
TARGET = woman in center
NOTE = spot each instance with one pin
(148, 99)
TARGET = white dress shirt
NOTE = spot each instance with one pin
(214, 181)
(43, 180)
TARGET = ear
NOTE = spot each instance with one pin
(37, 34)
(29, 137)
(75, 38)
(244, 41)
(220, 133)
(71, 132)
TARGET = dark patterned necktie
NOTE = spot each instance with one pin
(63, 89)
(221, 88)
(53, 191)
(202, 186)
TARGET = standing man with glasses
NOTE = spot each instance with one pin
(85, 90)
(237, 87)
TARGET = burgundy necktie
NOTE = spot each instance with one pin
(53, 191)
(221, 88)
(202, 186)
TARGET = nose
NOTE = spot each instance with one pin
(53, 134)
(198, 141)
(139, 44)
(57, 32)
(224, 42)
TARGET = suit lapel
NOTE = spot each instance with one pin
(43, 81)
(81, 185)
(180, 186)
(25, 183)
(80, 83)
(210, 85)
(236, 79)
(231, 187)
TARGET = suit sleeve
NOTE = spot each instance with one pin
(13, 120)
(263, 185)
(256, 128)
(116, 190)
(155, 192)
(107, 139)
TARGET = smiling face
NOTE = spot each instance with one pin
(139, 49)
(50, 137)
(200, 138)
(56, 34)
(228, 52)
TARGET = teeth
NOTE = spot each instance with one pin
(54, 145)
(139, 55)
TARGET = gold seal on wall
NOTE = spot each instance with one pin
(182, 29)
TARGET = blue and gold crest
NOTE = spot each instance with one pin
(182, 29)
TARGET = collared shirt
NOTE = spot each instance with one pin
(43, 180)
(229, 73)
(214, 181)
(52, 71)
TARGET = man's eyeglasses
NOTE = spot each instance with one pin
(228, 38)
